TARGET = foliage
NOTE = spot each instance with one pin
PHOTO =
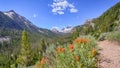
(80, 54)
(103, 36)
(107, 22)
(26, 56)
(75, 33)
(114, 36)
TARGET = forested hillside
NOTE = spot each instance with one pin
(107, 22)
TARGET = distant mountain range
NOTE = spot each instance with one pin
(67, 29)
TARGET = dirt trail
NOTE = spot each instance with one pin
(109, 54)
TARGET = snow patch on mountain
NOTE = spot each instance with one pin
(64, 30)
(67, 29)
(9, 14)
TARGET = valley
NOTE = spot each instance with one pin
(94, 44)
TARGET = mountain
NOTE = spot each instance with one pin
(10, 20)
(55, 30)
(67, 29)
(107, 22)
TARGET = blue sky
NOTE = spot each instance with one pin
(57, 13)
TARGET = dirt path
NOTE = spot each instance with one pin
(109, 54)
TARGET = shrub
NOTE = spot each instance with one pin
(103, 36)
(80, 54)
(114, 36)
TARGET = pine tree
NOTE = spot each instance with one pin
(42, 45)
(75, 34)
(26, 56)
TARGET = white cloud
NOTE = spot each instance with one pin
(60, 12)
(59, 6)
(73, 10)
(34, 15)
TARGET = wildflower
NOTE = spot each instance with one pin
(71, 47)
(77, 58)
(42, 61)
(63, 49)
(76, 41)
(58, 49)
(94, 52)
(81, 40)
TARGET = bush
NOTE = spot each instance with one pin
(114, 36)
(80, 54)
(103, 36)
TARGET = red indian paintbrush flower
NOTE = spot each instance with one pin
(63, 49)
(71, 47)
(58, 49)
(42, 60)
(77, 58)
(81, 40)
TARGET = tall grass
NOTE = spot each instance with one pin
(80, 54)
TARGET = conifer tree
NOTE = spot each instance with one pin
(42, 45)
(75, 34)
(26, 56)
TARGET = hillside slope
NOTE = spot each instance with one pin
(108, 21)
